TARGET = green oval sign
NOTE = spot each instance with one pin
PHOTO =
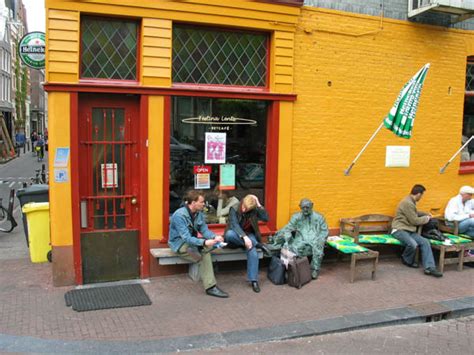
(32, 49)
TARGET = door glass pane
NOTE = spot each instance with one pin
(242, 123)
(108, 167)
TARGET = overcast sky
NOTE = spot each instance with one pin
(35, 14)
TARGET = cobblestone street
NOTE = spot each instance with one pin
(454, 336)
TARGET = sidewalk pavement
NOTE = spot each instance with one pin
(34, 317)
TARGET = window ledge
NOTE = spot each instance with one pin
(466, 167)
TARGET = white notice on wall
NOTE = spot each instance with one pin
(397, 156)
(60, 175)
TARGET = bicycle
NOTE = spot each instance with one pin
(40, 176)
(39, 152)
(7, 221)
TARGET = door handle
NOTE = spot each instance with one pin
(134, 201)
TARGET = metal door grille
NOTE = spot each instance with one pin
(107, 204)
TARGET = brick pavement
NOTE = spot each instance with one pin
(31, 306)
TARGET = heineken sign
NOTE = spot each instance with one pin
(32, 49)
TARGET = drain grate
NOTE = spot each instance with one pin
(433, 312)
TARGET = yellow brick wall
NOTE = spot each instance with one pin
(346, 83)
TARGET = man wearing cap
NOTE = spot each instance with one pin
(405, 224)
(461, 208)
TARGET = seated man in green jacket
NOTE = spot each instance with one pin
(404, 226)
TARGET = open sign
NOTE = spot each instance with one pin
(202, 169)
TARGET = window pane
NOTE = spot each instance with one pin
(204, 56)
(245, 147)
(109, 49)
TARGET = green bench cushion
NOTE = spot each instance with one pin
(455, 239)
(378, 239)
(346, 245)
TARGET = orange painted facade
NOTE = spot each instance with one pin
(333, 76)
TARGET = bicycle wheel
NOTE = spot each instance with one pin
(6, 225)
(3, 216)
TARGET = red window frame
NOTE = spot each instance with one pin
(467, 167)
(271, 168)
(239, 88)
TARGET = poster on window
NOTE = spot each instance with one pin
(109, 175)
(227, 177)
(215, 148)
(202, 177)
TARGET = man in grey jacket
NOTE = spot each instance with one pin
(404, 226)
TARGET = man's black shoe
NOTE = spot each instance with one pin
(217, 292)
(265, 249)
(194, 254)
(433, 272)
(255, 286)
(414, 265)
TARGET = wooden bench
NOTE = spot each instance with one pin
(366, 225)
(448, 227)
(458, 247)
(345, 245)
(166, 256)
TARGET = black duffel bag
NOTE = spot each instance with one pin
(276, 271)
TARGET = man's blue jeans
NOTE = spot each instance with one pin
(467, 227)
(411, 240)
(252, 255)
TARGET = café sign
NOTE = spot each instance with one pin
(31, 49)
(220, 120)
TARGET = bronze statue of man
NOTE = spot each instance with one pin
(305, 234)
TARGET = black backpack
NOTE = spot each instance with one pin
(430, 230)
(276, 271)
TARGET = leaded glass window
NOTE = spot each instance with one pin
(210, 56)
(109, 48)
(470, 76)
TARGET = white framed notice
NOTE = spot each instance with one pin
(109, 175)
(397, 156)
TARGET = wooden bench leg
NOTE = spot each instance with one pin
(374, 267)
(417, 255)
(442, 252)
(461, 258)
(193, 271)
(353, 266)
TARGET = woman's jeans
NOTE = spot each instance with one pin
(252, 255)
(411, 240)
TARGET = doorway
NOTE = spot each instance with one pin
(109, 187)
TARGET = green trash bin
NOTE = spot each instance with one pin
(37, 217)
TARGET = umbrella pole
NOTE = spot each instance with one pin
(454, 156)
(348, 170)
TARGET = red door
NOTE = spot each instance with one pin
(109, 187)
